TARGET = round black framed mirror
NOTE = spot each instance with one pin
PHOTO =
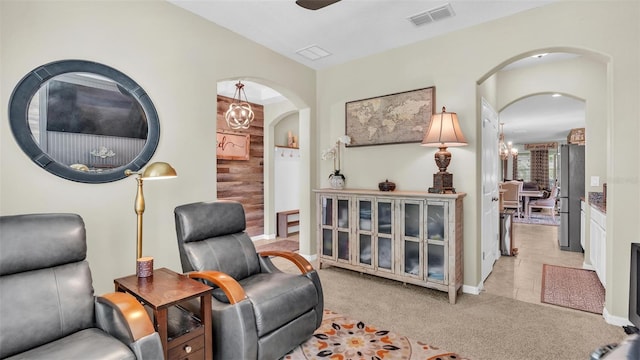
(83, 121)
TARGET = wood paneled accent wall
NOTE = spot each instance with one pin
(243, 180)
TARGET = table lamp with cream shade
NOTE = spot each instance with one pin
(155, 171)
(444, 131)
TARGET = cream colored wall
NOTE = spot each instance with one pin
(177, 58)
(286, 125)
(584, 78)
(454, 63)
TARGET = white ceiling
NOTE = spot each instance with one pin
(352, 29)
(348, 29)
(542, 118)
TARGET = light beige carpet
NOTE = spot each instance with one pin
(478, 327)
(573, 288)
(342, 338)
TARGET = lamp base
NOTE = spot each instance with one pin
(442, 183)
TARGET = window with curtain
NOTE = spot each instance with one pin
(540, 167)
(523, 170)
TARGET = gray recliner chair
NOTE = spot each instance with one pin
(258, 311)
(47, 305)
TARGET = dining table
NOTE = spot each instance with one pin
(527, 195)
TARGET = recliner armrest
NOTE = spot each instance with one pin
(136, 318)
(232, 289)
(303, 264)
(122, 316)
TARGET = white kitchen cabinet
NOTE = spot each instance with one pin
(598, 238)
(413, 237)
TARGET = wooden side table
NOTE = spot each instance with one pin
(162, 292)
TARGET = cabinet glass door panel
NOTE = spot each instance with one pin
(412, 220)
(327, 211)
(364, 252)
(343, 213)
(385, 216)
(436, 221)
(327, 242)
(343, 245)
(364, 215)
(412, 257)
(385, 253)
(435, 262)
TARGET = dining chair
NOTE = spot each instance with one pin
(548, 203)
(511, 196)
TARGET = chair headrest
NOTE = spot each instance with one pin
(204, 220)
(38, 241)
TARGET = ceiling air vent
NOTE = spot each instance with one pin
(313, 52)
(435, 14)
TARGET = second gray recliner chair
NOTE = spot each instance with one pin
(258, 311)
(47, 305)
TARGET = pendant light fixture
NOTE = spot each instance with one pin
(506, 149)
(239, 115)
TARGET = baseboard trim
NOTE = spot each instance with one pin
(614, 320)
(310, 257)
(473, 290)
(263, 237)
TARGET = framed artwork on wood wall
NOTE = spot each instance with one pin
(232, 146)
(390, 119)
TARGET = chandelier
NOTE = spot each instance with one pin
(506, 149)
(239, 115)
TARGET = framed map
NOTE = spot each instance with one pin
(391, 119)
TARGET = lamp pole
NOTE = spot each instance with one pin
(139, 208)
(157, 170)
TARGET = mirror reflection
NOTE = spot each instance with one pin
(83, 121)
(87, 122)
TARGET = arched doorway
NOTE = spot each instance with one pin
(276, 102)
(574, 72)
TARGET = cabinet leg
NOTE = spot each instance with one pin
(452, 296)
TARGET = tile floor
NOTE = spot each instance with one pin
(520, 277)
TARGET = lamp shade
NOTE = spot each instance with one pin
(444, 130)
(158, 170)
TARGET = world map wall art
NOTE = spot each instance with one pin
(390, 119)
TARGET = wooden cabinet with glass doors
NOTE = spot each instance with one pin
(413, 237)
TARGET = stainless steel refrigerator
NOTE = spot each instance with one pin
(571, 182)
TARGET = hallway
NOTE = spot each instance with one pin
(520, 277)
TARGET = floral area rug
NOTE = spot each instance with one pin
(342, 338)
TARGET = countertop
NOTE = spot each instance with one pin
(597, 200)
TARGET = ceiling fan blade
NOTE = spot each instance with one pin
(315, 4)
